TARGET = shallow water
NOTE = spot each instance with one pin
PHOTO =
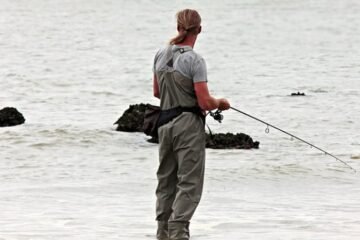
(73, 67)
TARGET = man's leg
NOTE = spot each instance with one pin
(167, 180)
(189, 146)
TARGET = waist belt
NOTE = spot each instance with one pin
(168, 115)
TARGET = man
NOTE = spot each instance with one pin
(180, 82)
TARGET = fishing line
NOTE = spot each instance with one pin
(267, 130)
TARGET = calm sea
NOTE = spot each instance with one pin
(73, 66)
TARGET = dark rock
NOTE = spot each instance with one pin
(133, 118)
(230, 141)
(10, 116)
(298, 94)
(225, 141)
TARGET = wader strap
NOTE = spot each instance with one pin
(168, 115)
(170, 55)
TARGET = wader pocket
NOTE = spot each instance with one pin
(155, 117)
(168, 115)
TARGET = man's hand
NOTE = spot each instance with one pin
(223, 104)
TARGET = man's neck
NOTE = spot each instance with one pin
(189, 41)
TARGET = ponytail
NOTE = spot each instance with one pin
(179, 38)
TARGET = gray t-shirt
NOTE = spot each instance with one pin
(190, 64)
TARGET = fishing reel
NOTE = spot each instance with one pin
(217, 115)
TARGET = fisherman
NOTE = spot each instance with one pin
(180, 82)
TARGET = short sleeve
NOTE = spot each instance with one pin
(199, 71)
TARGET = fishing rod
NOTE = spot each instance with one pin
(218, 117)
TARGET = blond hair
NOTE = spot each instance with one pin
(188, 21)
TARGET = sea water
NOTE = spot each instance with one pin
(73, 67)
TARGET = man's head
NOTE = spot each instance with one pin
(188, 23)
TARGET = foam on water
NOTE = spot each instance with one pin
(73, 67)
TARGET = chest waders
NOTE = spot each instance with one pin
(181, 152)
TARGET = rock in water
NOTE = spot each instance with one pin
(225, 141)
(298, 94)
(132, 119)
(10, 116)
(230, 141)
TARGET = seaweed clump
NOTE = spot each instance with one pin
(132, 119)
(230, 141)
